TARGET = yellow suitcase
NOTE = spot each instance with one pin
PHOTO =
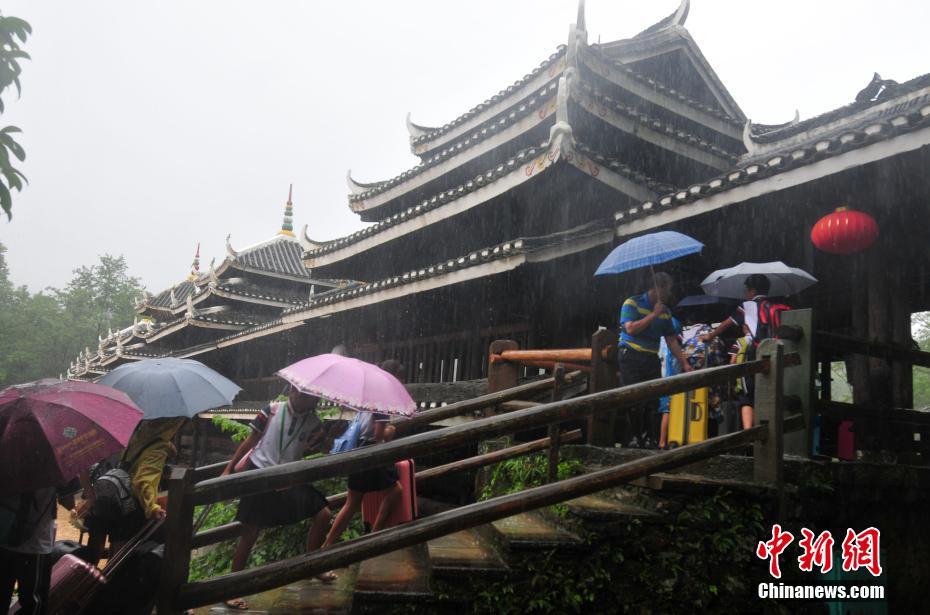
(687, 422)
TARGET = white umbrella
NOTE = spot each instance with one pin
(784, 280)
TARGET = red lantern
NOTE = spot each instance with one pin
(845, 231)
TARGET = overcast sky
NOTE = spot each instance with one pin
(151, 126)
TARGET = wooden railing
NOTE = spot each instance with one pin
(189, 488)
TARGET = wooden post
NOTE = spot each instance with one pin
(179, 529)
(601, 426)
(769, 412)
(552, 474)
(501, 374)
(799, 379)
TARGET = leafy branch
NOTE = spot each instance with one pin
(13, 32)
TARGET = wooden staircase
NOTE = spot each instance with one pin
(462, 560)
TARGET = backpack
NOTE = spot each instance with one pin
(769, 319)
(113, 489)
(349, 438)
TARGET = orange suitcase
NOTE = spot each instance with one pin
(407, 511)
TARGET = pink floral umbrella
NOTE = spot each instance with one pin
(51, 430)
(350, 382)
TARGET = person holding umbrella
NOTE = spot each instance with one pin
(644, 320)
(281, 433)
(170, 391)
(49, 432)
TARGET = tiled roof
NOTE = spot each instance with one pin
(656, 124)
(885, 125)
(256, 292)
(280, 255)
(656, 85)
(237, 319)
(181, 291)
(480, 133)
(479, 181)
(508, 91)
(769, 134)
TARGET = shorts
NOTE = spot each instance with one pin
(377, 479)
(274, 508)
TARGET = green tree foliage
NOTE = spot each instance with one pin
(920, 327)
(41, 333)
(13, 32)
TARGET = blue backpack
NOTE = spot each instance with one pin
(349, 438)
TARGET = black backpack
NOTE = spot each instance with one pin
(113, 497)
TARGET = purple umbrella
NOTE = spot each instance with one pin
(350, 382)
(51, 430)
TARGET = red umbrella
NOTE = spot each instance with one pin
(51, 430)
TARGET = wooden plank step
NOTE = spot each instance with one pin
(602, 508)
(309, 596)
(697, 484)
(530, 530)
(400, 575)
(464, 552)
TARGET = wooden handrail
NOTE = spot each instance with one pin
(478, 403)
(286, 475)
(558, 355)
(882, 350)
(262, 578)
(232, 530)
(843, 411)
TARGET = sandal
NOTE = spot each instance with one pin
(327, 577)
(237, 604)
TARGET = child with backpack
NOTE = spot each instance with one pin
(758, 319)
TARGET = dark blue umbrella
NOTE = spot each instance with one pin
(648, 250)
(172, 387)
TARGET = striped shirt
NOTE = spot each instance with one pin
(636, 308)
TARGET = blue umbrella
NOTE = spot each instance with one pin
(648, 250)
(172, 387)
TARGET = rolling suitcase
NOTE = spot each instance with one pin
(406, 511)
(74, 582)
(846, 441)
(687, 422)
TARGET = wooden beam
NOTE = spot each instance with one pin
(262, 578)
(847, 412)
(845, 344)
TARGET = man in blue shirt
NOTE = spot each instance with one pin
(644, 320)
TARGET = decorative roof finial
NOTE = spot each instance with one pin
(214, 280)
(190, 306)
(173, 297)
(229, 249)
(287, 227)
(195, 266)
(580, 21)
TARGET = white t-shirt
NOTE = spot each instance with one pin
(285, 434)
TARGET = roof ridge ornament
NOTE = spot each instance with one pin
(214, 280)
(415, 130)
(355, 187)
(229, 249)
(748, 143)
(189, 313)
(580, 20)
(287, 226)
(307, 243)
(676, 19)
(172, 296)
(195, 266)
